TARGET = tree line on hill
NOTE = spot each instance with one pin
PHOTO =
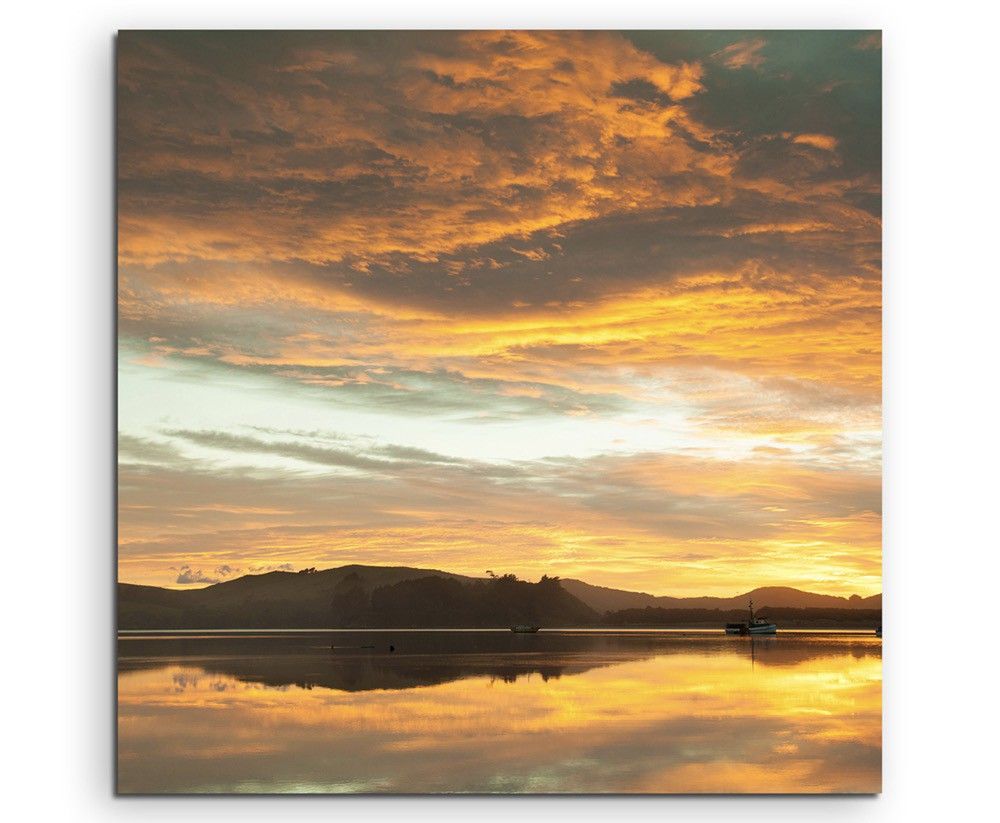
(360, 597)
(444, 602)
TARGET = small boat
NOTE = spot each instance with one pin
(755, 625)
(878, 631)
(521, 628)
(761, 625)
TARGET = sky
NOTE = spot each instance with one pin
(603, 305)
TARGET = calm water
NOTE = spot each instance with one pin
(559, 711)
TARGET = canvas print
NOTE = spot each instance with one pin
(499, 412)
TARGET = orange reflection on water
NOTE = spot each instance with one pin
(686, 721)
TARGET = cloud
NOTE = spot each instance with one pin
(393, 459)
(416, 145)
(613, 519)
(661, 201)
(742, 54)
(559, 239)
(144, 450)
(189, 576)
(280, 567)
(819, 141)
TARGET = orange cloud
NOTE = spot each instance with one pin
(818, 141)
(494, 226)
(450, 188)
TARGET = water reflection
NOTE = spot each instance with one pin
(494, 712)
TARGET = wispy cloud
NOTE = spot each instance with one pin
(742, 54)
(189, 576)
(618, 516)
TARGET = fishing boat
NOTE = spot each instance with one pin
(755, 625)
(521, 628)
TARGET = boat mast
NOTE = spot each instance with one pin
(751, 610)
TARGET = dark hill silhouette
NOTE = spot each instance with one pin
(271, 600)
(354, 597)
(602, 599)
(433, 601)
(402, 597)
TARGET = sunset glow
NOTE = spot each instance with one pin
(590, 304)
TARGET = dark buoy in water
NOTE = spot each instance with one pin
(392, 648)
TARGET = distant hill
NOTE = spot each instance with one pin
(402, 597)
(353, 597)
(785, 617)
(252, 601)
(603, 599)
